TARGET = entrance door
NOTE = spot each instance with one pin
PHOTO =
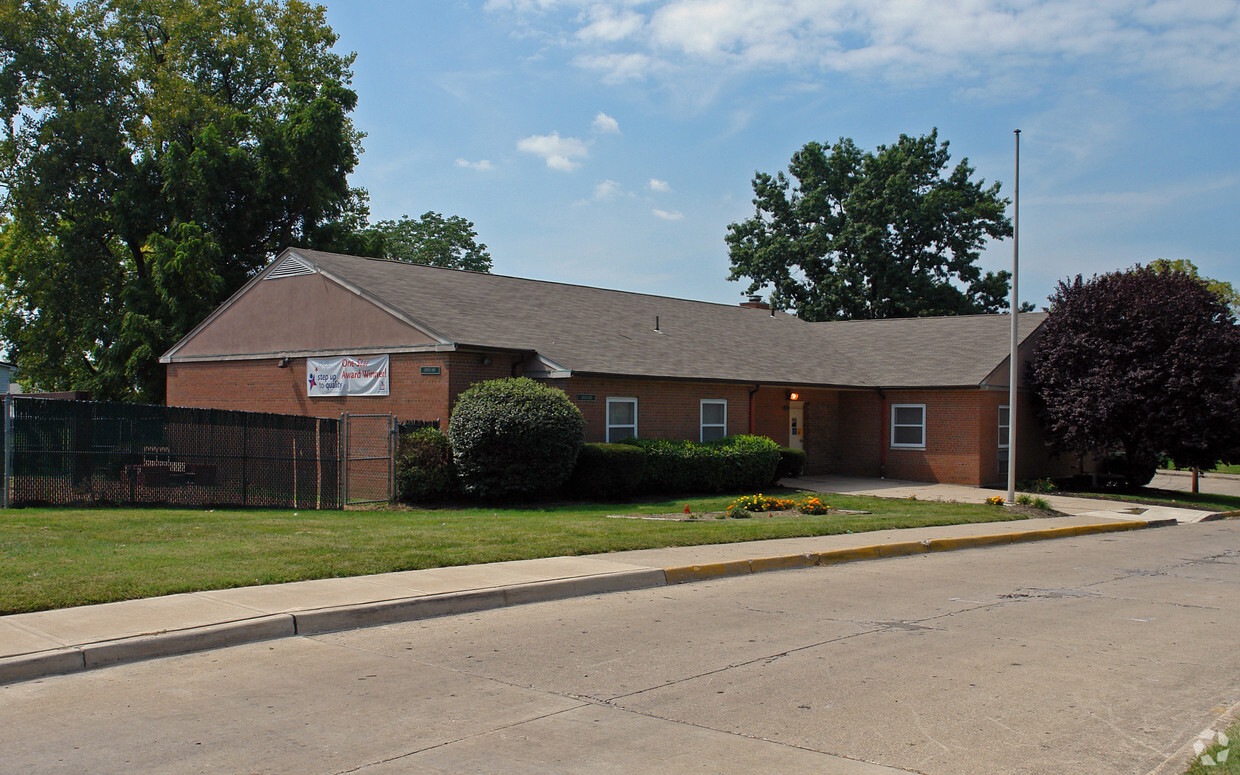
(796, 424)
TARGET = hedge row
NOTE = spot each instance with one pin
(425, 470)
(733, 463)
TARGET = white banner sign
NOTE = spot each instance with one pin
(347, 376)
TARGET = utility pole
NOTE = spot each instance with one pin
(1014, 362)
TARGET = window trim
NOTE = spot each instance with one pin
(607, 418)
(1002, 451)
(702, 424)
(922, 425)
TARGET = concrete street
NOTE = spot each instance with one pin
(1101, 654)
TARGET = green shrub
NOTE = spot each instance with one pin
(424, 467)
(1036, 502)
(607, 471)
(732, 463)
(1039, 485)
(1136, 471)
(514, 437)
(791, 463)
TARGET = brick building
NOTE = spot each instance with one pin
(919, 398)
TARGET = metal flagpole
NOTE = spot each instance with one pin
(1013, 362)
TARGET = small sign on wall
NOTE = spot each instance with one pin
(429, 371)
(585, 396)
(347, 376)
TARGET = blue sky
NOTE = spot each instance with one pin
(610, 143)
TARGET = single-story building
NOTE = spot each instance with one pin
(919, 398)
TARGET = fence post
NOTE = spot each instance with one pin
(344, 459)
(245, 468)
(8, 445)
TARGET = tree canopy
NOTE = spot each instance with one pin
(434, 240)
(1141, 363)
(1221, 288)
(872, 235)
(154, 154)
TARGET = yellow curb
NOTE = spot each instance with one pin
(902, 549)
(712, 570)
(783, 563)
(717, 570)
(850, 555)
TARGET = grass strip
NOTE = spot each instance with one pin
(55, 558)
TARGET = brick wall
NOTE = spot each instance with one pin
(845, 432)
(861, 433)
(261, 386)
(665, 409)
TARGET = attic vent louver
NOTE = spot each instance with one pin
(292, 266)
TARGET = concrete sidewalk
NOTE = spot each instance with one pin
(66, 640)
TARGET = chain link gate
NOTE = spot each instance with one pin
(369, 457)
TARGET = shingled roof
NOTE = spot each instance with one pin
(595, 331)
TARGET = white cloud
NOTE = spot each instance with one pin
(674, 215)
(617, 68)
(483, 165)
(605, 124)
(659, 185)
(557, 151)
(606, 190)
(1174, 44)
(607, 25)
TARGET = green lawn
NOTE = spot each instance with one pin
(53, 558)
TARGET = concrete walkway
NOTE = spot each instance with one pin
(1219, 484)
(1106, 509)
(66, 640)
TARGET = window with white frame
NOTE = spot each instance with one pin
(908, 426)
(1004, 435)
(714, 419)
(621, 418)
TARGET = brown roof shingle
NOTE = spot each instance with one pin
(599, 331)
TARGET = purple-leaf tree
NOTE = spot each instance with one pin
(1140, 363)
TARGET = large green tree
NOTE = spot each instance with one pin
(154, 154)
(886, 234)
(432, 239)
(1220, 288)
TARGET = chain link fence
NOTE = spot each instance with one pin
(73, 453)
(369, 458)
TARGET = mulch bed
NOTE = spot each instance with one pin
(698, 516)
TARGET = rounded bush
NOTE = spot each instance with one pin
(791, 463)
(424, 467)
(607, 471)
(514, 437)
